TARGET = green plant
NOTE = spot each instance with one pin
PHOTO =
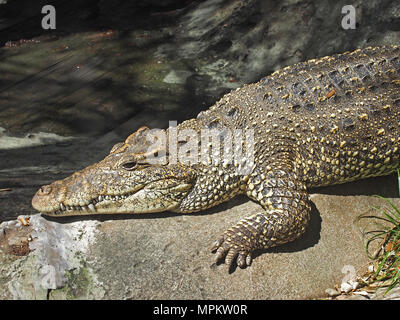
(387, 231)
(398, 179)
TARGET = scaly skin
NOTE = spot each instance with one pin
(321, 122)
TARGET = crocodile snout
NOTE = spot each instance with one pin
(38, 198)
(47, 198)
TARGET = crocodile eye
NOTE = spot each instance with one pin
(131, 165)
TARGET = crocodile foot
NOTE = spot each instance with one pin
(230, 247)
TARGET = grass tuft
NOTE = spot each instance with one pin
(387, 232)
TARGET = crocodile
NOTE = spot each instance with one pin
(321, 122)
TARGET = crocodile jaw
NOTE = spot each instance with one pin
(157, 196)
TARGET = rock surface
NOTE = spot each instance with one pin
(67, 96)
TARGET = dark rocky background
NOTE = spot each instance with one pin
(107, 61)
(110, 67)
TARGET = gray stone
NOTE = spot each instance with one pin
(332, 292)
(177, 76)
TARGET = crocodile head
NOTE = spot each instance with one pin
(125, 181)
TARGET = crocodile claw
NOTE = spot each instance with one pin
(224, 248)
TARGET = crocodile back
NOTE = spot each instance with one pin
(339, 116)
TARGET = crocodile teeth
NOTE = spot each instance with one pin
(91, 206)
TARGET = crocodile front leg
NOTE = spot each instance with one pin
(286, 213)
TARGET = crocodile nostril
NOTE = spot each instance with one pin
(44, 190)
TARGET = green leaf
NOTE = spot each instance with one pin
(398, 179)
